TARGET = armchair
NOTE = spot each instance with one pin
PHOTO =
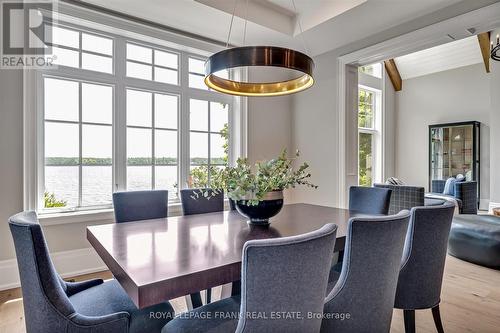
(465, 194)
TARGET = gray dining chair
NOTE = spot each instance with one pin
(140, 205)
(404, 197)
(201, 201)
(361, 299)
(285, 275)
(54, 305)
(369, 200)
(421, 276)
(194, 201)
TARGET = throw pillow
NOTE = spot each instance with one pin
(394, 181)
(460, 177)
(449, 186)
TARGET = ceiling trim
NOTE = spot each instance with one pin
(135, 19)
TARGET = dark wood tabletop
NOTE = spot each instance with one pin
(161, 259)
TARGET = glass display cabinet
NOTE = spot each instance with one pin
(454, 149)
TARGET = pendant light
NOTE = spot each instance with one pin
(266, 56)
(495, 50)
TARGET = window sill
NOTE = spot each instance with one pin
(103, 215)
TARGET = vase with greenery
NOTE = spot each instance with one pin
(258, 191)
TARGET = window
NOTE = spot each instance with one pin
(79, 49)
(152, 64)
(367, 134)
(152, 141)
(197, 73)
(373, 70)
(148, 124)
(209, 138)
(78, 143)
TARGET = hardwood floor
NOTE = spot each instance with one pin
(470, 302)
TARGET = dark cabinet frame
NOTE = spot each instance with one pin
(476, 149)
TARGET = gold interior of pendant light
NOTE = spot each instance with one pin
(249, 56)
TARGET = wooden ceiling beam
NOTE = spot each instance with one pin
(392, 71)
(484, 45)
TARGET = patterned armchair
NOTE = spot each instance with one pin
(465, 193)
(404, 197)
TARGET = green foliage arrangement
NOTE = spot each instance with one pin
(242, 183)
(51, 201)
(199, 176)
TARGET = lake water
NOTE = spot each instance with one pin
(97, 184)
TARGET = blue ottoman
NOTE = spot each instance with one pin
(476, 238)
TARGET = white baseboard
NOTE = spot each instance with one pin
(493, 205)
(484, 204)
(67, 263)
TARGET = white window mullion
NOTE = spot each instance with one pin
(209, 164)
(120, 119)
(80, 144)
(184, 158)
(40, 142)
(153, 142)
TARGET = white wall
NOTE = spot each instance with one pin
(11, 154)
(269, 120)
(390, 118)
(461, 94)
(495, 126)
(314, 133)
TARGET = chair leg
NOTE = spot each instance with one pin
(209, 295)
(409, 319)
(236, 288)
(437, 319)
(196, 301)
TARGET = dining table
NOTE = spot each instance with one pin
(161, 259)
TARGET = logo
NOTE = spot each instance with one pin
(24, 34)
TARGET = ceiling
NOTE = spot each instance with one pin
(286, 16)
(327, 24)
(440, 58)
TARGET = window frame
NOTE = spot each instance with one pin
(34, 121)
(375, 131)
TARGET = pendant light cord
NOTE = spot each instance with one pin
(300, 27)
(231, 24)
(245, 29)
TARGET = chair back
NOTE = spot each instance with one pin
(287, 276)
(46, 306)
(140, 205)
(369, 200)
(363, 297)
(420, 279)
(194, 202)
(404, 197)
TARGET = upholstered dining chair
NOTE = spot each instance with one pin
(421, 276)
(54, 305)
(361, 299)
(140, 205)
(404, 197)
(194, 202)
(285, 275)
(369, 200)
